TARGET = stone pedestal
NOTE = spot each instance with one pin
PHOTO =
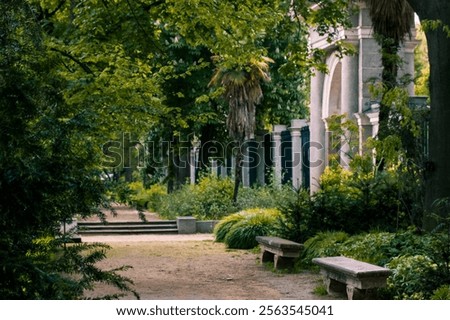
(260, 170)
(186, 225)
(317, 132)
(297, 160)
(277, 130)
(246, 166)
(193, 164)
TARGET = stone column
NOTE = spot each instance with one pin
(277, 129)
(246, 167)
(297, 160)
(349, 98)
(261, 162)
(214, 168)
(368, 126)
(407, 68)
(223, 169)
(233, 166)
(193, 163)
(317, 131)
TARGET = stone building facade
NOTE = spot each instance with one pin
(344, 90)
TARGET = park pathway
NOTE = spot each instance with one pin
(184, 267)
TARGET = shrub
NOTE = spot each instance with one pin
(150, 198)
(368, 247)
(262, 196)
(417, 270)
(411, 277)
(294, 206)
(243, 234)
(441, 293)
(215, 197)
(324, 244)
(355, 202)
(239, 230)
(223, 227)
(211, 198)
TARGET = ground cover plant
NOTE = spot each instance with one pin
(209, 199)
(419, 262)
(239, 230)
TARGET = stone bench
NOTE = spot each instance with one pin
(358, 279)
(281, 251)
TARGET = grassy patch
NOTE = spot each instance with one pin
(320, 290)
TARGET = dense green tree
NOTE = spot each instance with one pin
(75, 75)
(49, 171)
(437, 179)
(142, 65)
(435, 16)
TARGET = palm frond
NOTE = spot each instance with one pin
(242, 92)
(391, 18)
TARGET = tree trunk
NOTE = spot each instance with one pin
(438, 166)
(238, 170)
(390, 62)
(437, 179)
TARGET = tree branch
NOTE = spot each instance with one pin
(58, 7)
(84, 66)
(150, 5)
(141, 27)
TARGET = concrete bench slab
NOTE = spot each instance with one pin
(281, 251)
(357, 278)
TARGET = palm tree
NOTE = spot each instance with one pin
(391, 18)
(392, 21)
(242, 92)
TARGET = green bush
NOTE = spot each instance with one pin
(263, 196)
(223, 226)
(376, 247)
(415, 259)
(368, 247)
(294, 206)
(411, 277)
(211, 198)
(243, 234)
(150, 198)
(239, 230)
(441, 293)
(355, 202)
(324, 244)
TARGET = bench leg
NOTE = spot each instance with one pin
(360, 294)
(282, 262)
(266, 256)
(334, 286)
(351, 291)
(355, 293)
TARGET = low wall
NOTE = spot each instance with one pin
(190, 225)
(206, 226)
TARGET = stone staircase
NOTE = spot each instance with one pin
(128, 227)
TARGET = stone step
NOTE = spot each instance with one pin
(127, 231)
(152, 223)
(128, 227)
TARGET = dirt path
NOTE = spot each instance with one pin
(185, 267)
